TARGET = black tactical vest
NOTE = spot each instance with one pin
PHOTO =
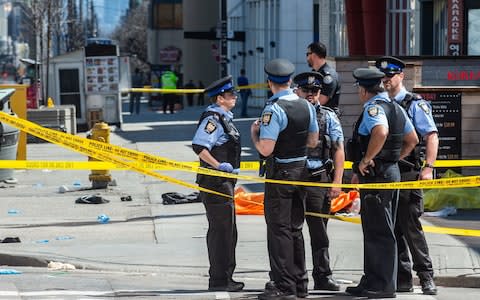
(229, 151)
(292, 141)
(323, 149)
(396, 123)
(418, 153)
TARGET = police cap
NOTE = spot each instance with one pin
(367, 76)
(308, 79)
(219, 86)
(390, 65)
(279, 70)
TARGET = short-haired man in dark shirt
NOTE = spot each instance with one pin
(316, 59)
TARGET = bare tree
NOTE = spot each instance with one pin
(131, 33)
(75, 34)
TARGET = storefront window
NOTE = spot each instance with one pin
(439, 27)
(401, 33)
(474, 32)
(166, 15)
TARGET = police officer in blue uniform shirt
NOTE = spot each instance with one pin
(217, 144)
(330, 93)
(417, 165)
(325, 164)
(382, 136)
(286, 128)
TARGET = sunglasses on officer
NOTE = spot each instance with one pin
(390, 75)
(310, 90)
(231, 93)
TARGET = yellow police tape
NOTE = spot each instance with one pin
(188, 91)
(431, 229)
(77, 144)
(104, 152)
(101, 165)
(145, 162)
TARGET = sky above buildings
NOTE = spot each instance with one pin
(109, 13)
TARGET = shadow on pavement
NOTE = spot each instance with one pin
(467, 219)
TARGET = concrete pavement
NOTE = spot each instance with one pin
(146, 236)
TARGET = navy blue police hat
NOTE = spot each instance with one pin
(279, 70)
(367, 76)
(390, 65)
(219, 86)
(308, 79)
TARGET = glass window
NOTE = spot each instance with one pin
(400, 33)
(473, 32)
(167, 16)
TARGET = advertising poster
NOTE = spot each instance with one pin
(447, 113)
(102, 74)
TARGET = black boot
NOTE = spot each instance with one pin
(231, 286)
(427, 283)
(358, 290)
(326, 283)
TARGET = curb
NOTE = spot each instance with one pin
(461, 281)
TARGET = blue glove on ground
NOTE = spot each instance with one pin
(225, 167)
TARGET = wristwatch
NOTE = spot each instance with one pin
(427, 165)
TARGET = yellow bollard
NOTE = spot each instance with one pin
(100, 178)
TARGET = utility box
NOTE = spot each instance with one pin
(61, 118)
(8, 135)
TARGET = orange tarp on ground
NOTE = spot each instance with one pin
(252, 203)
(248, 203)
(343, 200)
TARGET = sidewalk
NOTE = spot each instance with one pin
(145, 236)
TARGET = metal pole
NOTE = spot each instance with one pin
(223, 38)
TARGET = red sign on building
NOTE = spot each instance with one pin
(170, 54)
(455, 27)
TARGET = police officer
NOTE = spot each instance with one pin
(408, 229)
(217, 144)
(328, 153)
(375, 149)
(330, 93)
(287, 126)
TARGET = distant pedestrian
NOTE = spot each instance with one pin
(169, 81)
(242, 80)
(190, 85)
(137, 82)
(217, 144)
(201, 96)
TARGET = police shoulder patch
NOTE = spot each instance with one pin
(424, 106)
(327, 79)
(266, 118)
(210, 127)
(373, 111)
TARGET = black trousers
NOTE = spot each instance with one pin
(284, 215)
(378, 212)
(409, 234)
(135, 102)
(222, 231)
(169, 100)
(317, 201)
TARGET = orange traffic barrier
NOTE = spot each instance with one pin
(248, 203)
(343, 200)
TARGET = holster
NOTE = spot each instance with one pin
(264, 163)
(370, 169)
(353, 153)
(326, 169)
